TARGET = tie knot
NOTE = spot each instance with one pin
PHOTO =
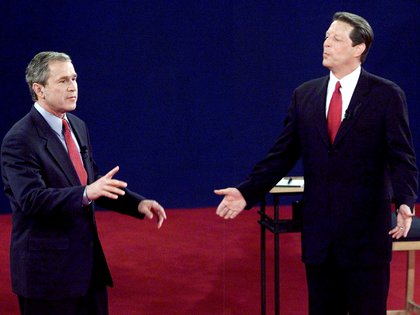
(337, 86)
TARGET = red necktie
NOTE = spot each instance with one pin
(74, 153)
(334, 112)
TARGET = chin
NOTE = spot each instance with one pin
(72, 107)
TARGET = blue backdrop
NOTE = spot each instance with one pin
(185, 96)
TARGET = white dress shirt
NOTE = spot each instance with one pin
(348, 84)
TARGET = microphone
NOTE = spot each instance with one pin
(84, 152)
(348, 115)
(357, 107)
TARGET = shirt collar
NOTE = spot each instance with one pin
(55, 123)
(347, 82)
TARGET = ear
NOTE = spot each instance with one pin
(38, 89)
(359, 49)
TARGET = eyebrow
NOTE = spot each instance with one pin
(67, 77)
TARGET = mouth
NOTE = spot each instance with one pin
(72, 98)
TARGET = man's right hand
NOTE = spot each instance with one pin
(232, 204)
(106, 186)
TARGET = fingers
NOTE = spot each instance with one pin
(402, 228)
(232, 204)
(111, 188)
(112, 172)
(148, 207)
(230, 210)
(397, 232)
(160, 212)
(160, 221)
(227, 213)
(221, 192)
(145, 209)
(106, 186)
(222, 210)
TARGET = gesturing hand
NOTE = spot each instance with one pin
(232, 204)
(106, 186)
(148, 207)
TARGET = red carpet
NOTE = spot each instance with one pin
(197, 264)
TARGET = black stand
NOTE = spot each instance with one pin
(276, 226)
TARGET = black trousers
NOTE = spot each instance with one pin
(355, 290)
(94, 303)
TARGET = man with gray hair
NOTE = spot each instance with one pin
(49, 175)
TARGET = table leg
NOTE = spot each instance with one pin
(263, 265)
(276, 258)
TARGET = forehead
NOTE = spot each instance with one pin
(340, 27)
(61, 69)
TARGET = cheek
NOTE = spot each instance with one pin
(339, 53)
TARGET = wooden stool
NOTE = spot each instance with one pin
(410, 244)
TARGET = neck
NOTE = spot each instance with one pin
(49, 109)
(341, 73)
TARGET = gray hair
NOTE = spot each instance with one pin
(38, 70)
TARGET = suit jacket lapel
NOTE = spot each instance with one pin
(54, 146)
(320, 110)
(356, 107)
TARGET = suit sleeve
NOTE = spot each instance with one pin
(401, 156)
(278, 162)
(127, 204)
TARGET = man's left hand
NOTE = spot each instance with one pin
(404, 219)
(150, 207)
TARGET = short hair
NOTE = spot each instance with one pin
(38, 70)
(362, 32)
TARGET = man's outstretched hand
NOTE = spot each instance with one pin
(232, 204)
(151, 207)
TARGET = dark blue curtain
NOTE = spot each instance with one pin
(185, 96)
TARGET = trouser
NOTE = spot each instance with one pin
(94, 303)
(355, 290)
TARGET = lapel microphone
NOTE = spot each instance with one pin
(347, 114)
(350, 113)
(84, 152)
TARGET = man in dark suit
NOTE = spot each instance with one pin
(354, 167)
(56, 258)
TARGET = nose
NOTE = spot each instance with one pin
(326, 42)
(72, 86)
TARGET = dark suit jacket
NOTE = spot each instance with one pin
(55, 251)
(350, 184)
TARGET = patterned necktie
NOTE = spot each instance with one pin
(74, 153)
(334, 112)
